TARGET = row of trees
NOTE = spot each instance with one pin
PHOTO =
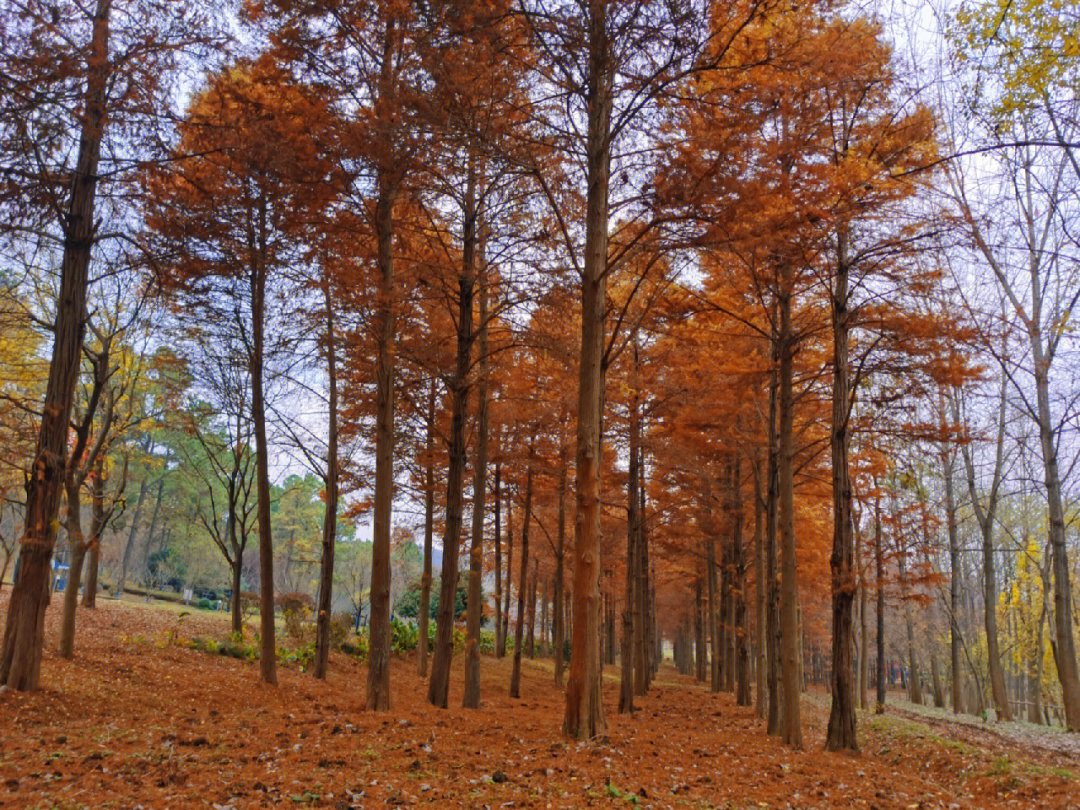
(656, 272)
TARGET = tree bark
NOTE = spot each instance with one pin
(500, 646)
(515, 675)
(879, 563)
(954, 583)
(584, 716)
(841, 730)
(476, 549)
(789, 620)
(378, 681)
(558, 625)
(329, 534)
(424, 616)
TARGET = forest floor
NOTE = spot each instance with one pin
(138, 719)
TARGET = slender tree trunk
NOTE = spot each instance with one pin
(761, 587)
(77, 544)
(329, 534)
(530, 643)
(775, 723)
(739, 629)
(954, 584)
(515, 676)
(471, 699)
(268, 645)
(24, 630)
(699, 634)
(584, 716)
(378, 680)
(879, 563)
(237, 566)
(632, 619)
(439, 685)
(789, 594)
(429, 531)
(864, 633)
(500, 644)
(559, 626)
(129, 546)
(97, 528)
(509, 568)
(712, 608)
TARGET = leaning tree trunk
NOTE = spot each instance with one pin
(841, 730)
(584, 716)
(24, 631)
(515, 675)
(329, 535)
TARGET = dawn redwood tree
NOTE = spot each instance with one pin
(68, 69)
(227, 217)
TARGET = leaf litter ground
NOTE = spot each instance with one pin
(137, 720)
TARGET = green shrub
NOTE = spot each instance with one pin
(404, 636)
(203, 603)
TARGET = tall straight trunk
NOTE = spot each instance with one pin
(558, 598)
(584, 716)
(515, 676)
(775, 724)
(329, 533)
(739, 628)
(954, 584)
(864, 633)
(378, 680)
(727, 625)
(632, 675)
(841, 730)
(24, 630)
(879, 565)
(439, 685)
(699, 634)
(429, 532)
(509, 567)
(914, 679)
(985, 515)
(650, 657)
(789, 619)
(235, 610)
(471, 700)
(713, 609)
(258, 271)
(499, 643)
(1064, 646)
(760, 586)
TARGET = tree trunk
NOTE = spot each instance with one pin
(515, 676)
(97, 528)
(439, 686)
(879, 563)
(530, 643)
(584, 716)
(558, 625)
(632, 654)
(699, 634)
(954, 584)
(500, 646)
(841, 730)
(77, 544)
(20, 656)
(268, 645)
(775, 723)
(476, 549)
(761, 706)
(739, 628)
(378, 681)
(329, 535)
(789, 620)
(509, 568)
(424, 616)
(712, 608)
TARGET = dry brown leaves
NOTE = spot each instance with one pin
(135, 721)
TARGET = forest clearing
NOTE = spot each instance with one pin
(136, 719)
